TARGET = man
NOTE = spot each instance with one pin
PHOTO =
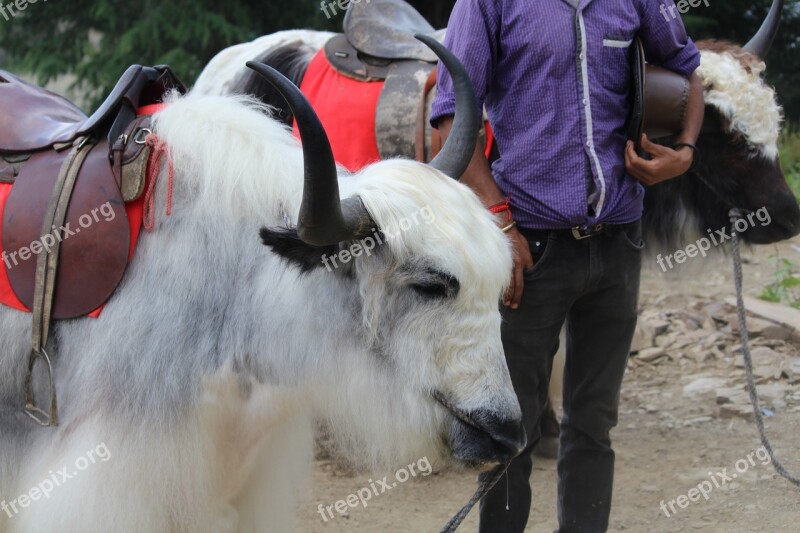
(554, 76)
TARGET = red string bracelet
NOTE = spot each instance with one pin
(502, 206)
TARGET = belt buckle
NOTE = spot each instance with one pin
(579, 235)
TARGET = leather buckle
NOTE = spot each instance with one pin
(580, 234)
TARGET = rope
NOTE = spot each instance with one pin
(486, 481)
(734, 215)
(159, 148)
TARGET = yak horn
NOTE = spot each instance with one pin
(457, 151)
(323, 219)
(762, 41)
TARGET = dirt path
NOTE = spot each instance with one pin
(670, 439)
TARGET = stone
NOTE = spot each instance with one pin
(791, 370)
(651, 355)
(732, 395)
(643, 337)
(697, 421)
(731, 410)
(772, 391)
(659, 326)
(703, 386)
(759, 327)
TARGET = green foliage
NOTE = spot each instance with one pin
(53, 38)
(97, 39)
(790, 156)
(784, 288)
(737, 21)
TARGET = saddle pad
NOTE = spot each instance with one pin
(347, 110)
(134, 211)
(94, 238)
(129, 229)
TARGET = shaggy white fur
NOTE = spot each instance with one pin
(743, 98)
(205, 368)
(225, 68)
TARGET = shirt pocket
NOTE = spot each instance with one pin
(615, 70)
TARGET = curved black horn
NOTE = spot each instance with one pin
(323, 219)
(762, 41)
(457, 151)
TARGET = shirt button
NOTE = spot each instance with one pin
(585, 102)
(589, 144)
(580, 56)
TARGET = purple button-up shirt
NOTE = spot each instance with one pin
(555, 80)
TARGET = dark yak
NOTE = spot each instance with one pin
(739, 163)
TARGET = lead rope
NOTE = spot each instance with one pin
(486, 481)
(735, 215)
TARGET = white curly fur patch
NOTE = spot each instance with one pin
(743, 98)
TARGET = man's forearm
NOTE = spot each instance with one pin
(695, 110)
(478, 175)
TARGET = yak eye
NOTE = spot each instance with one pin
(436, 285)
(431, 290)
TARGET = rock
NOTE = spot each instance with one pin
(758, 327)
(767, 363)
(697, 421)
(718, 311)
(703, 386)
(731, 410)
(771, 392)
(665, 341)
(651, 355)
(658, 326)
(732, 395)
(792, 371)
(643, 337)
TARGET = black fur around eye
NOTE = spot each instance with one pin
(432, 290)
(438, 285)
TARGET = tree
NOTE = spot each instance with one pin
(732, 20)
(737, 21)
(97, 39)
(53, 38)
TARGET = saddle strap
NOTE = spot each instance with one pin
(436, 139)
(45, 281)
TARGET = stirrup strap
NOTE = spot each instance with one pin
(436, 140)
(45, 283)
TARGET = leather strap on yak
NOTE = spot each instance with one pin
(46, 271)
(422, 124)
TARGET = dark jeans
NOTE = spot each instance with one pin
(593, 284)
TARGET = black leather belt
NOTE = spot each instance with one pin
(576, 233)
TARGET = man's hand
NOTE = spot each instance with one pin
(522, 262)
(479, 178)
(665, 164)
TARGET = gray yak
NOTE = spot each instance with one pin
(187, 406)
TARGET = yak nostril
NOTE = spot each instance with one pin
(507, 432)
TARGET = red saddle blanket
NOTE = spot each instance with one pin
(347, 109)
(134, 211)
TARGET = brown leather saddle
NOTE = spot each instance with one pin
(65, 232)
(378, 44)
(38, 130)
(658, 99)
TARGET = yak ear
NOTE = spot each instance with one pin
(286, 243)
